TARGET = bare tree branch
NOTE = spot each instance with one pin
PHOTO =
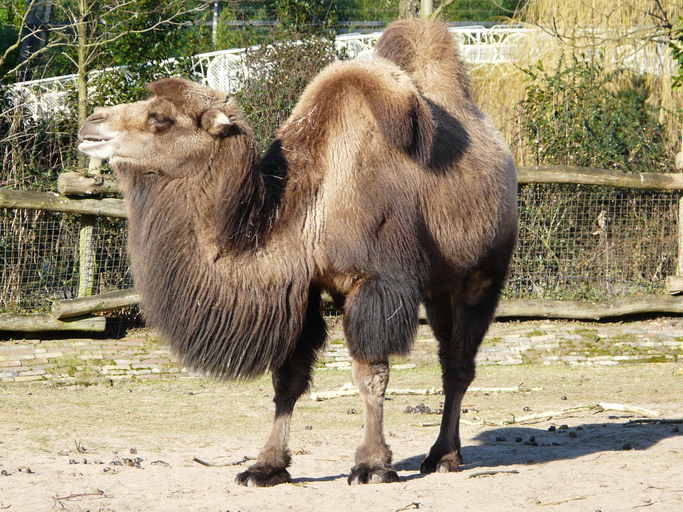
(167, 21)
(435, 15)
(20, 39)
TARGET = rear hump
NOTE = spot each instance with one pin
(428, 53)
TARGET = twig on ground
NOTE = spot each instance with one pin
(491, 473)
(552, 503)
(231, 463)
(513, 389)
(646, 504)
(462, 422)
(595, 408)
(350, 390)
(410, 506)
(79, 447)
(99, 492)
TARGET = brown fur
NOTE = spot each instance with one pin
(386, 186)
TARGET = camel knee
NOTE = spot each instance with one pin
(372, 379)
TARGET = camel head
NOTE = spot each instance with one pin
(169, 134)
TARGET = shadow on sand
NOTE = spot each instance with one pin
(507, 446)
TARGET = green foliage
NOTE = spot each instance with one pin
(8, 36)
(307, 16)
(123, 32)
(367, 10)
(275, 77)
(174, 38)
(480, 10)
(243, 36)
(580, 115)
(127, 85)
(10, 24)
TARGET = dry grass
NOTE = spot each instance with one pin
(612, 30)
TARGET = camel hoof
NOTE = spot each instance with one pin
(449, 463)
(263, 476)
(364, 474)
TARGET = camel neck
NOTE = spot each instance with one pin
(232, 316)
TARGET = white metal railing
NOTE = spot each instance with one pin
(478, 46)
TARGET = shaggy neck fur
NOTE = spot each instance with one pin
(227, 306)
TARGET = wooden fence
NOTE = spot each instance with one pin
(80, 194)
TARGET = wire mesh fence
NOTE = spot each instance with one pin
(39, 258)
(584, 242)
(577, 242)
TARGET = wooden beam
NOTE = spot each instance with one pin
(57, 203)
(679, 262)
(573, 310)
(589, 176)
(77, 184)
(42, 322)
(94, 304)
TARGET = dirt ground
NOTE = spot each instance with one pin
(131, 446)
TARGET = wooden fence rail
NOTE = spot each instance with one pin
(50, 201)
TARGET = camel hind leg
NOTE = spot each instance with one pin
(459, 326)
(289, 381)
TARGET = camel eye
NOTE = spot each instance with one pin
(159, 122)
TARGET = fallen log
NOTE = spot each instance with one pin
(41, 322)
(589, 310)
(591, 176)
(77, 184)
(94, 304)
(51, 201)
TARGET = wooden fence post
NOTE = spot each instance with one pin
(679, 265)
(86, 252)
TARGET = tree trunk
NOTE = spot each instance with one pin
(82, 78)
(426, 8)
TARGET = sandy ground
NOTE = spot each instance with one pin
(130, 446)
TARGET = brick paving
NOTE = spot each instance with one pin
(142, 356)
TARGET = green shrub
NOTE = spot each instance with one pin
(274, 77)
(581, 115)
(129, 84)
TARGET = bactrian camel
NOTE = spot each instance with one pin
(386, 186)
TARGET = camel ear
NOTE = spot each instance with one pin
(218, 124)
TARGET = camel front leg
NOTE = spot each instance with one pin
(373, 456)
(290, 382)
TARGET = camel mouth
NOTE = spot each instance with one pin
(92, 142)
(95, 146)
